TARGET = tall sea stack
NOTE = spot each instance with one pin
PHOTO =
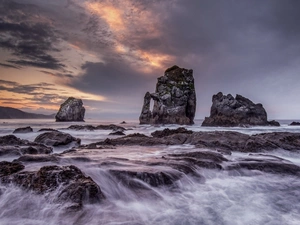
(174, 99)
(71, 110)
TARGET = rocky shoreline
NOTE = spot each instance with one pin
(69, 185)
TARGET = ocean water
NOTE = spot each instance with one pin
(219, 197)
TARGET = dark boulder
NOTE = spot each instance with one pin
(82, 127)
(8, 168)
(295, 124)
(10, 145)
(227, 111)
(56, 138)
(71, 110)
(168, 132)
(23, 130)
(174, 99)
(154, 179)
(67, 183)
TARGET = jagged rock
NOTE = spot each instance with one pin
(168, 132)
(10, 145)
(71, 110)
(23, 130)
(70, 182)
(174, 99)
(239, 111)
(56, 138)
(8, 168)
(295, 124)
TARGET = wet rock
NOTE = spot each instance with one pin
(71, 110)
(23, 130)
(295, 124)
(266, 166)
(46, 129)
(8, 168)
(283, 140)
(99, 127)
(10, 145)
(204, 159)
(123, 122)
(174, 99)
(154, 179)
(82, 127)
(37, 158)
(168, 132)
(55, 138)
(67, 183)
(227, 111)
(9, 151)
(118, 132)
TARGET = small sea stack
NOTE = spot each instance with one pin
(174, 99)
(227, 111)
(71, 110)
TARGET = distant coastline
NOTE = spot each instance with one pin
(12, 113)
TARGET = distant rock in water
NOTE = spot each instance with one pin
(295, 124)
(71, 110)
(227, 111)
(23, 130)
(174, 99)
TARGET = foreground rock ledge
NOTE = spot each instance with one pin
(227, 111)
(71, 110)
(174, 99)
(69, 181)
(224, 141)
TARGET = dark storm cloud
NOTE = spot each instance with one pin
(111, 79)
(29, 40)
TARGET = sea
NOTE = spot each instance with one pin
(221, 197)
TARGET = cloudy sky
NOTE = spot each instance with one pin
(110, 52)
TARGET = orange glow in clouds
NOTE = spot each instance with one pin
(128, 23)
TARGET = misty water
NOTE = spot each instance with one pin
(214, 197)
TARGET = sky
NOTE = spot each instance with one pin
(110, 53)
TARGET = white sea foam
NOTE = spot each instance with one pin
(220, 197)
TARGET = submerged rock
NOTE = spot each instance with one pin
(174, 99)
(68, 183)
(23, 130)
(228, 111)
(71, 110)
(56, 138)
